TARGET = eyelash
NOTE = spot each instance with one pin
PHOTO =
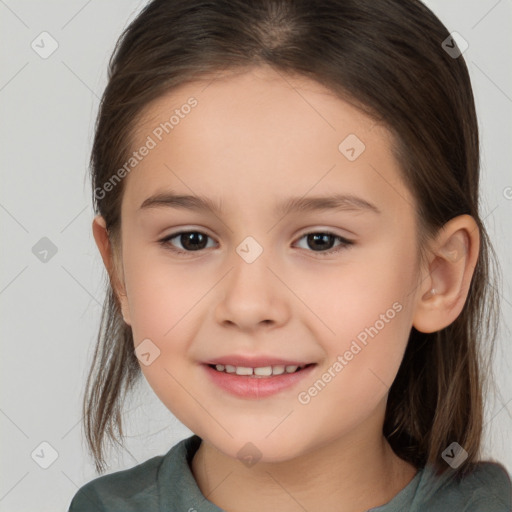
(345, 243)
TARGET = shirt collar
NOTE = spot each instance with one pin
(177, 486)
(178, 489)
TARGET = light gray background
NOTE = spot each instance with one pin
(50, 311)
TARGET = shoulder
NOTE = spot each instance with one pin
(487, 488)
(125, 491)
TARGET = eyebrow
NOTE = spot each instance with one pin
(342, 202)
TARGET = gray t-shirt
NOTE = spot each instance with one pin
(166, 484)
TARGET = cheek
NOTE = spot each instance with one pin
(369, 315)
(165, 304)
(361, 363)
(161, 296)
(163, 307)
(349, 299)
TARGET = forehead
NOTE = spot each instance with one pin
(257, 95)
(261, 130)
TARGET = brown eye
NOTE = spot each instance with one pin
(191, 241)
(319, 241)
(322, 242)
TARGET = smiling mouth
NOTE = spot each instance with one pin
(260, 372)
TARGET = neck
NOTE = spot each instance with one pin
(352, 473)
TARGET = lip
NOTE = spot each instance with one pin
(251, 387)
(255, 361)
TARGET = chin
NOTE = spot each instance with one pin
(255, 446)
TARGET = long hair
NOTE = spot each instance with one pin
(387, 58)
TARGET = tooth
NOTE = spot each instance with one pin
(264, 370)
(277, 370)
(242, 370)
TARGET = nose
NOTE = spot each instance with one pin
(251, 295)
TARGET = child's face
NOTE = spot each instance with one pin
(252, 142)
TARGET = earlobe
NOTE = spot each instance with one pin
(102, 240)
(443, 292)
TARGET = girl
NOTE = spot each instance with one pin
(287, 199)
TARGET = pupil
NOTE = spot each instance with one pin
(190, 241)
(314, 238)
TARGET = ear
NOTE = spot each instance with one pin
(101, 236)
(454, 255)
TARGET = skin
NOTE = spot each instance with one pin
(255, 138)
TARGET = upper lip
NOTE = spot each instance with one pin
(255, 361)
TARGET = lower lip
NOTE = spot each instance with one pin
(245, 386)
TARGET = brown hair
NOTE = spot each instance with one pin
(384, 56)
